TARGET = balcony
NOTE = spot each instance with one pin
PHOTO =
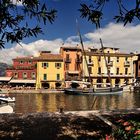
(22, 67)
(70, 78)
(90, 63)
(110, 63)
(127, 63)
(78, 60)
(67, 60)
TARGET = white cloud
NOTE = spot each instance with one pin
(117, 36)
(31, 49)
(113, 35)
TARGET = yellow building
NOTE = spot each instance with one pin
(117, 69)
(50, 70)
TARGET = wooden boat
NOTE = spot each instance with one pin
(73, 90)
(94, 91)
(91, 91)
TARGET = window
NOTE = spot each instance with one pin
(30, 62)
(117, 71)
(67, 66)
(21, 62)
(126, 58)
(99, 58)
(58, 65)
(126, 70)
(45, 76)
(90, 59)
(15, 75)
(108, 59)
(67, 56)
(90, 70)
(33, 75)
(77, 66)
(78, 57)
(57, 76)
(45, 65)
(117, 59)
(99, 70)
(108, 71)
(24, 75)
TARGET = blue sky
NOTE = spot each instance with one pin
(65, 22)
(67, 13)
(65, 25)
(63, 30)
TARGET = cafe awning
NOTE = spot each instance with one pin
(23, 81)
(73, 72)
(5, 79)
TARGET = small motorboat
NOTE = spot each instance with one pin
(6, 98)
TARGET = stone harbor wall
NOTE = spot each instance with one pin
(80, 125)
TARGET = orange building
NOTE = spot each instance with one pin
(72, 58)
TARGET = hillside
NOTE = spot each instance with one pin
(3, 67)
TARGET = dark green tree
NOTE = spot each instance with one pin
(94, 12)
(14, 19)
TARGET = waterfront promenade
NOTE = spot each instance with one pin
(36, 91)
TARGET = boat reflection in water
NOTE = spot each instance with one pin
(26, 103)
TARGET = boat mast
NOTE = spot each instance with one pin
(83, 51)
(108, 73)
(106, 63)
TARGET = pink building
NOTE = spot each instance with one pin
(23, 70)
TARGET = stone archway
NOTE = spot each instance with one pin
(126, 81)
(45, 85)
(58, 85)
(99, 82)
(107, 82)
(117, 81)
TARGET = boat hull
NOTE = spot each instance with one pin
(7, 99)
(103, 91)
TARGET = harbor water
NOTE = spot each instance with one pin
(52, 102)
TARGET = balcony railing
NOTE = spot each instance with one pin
(110, 63)
(113, 74)
(69, 78)
(78, 60)
(22, 68)
(67, 60)
(127, 63)
(90, 63)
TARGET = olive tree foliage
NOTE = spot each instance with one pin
(14, 19)
(94, 12)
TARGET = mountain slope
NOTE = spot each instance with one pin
(3, 67)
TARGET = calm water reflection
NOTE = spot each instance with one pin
(52, 102)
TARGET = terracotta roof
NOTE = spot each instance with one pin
(71, 48)
(48, 57)
(110, 48)
(24, 58)
(108, 54)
